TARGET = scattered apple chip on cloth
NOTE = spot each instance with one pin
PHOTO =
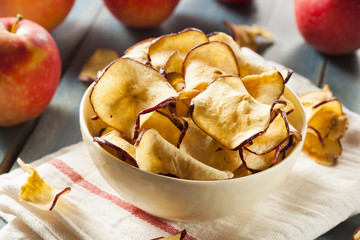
(327, 124)
(96, 63)
(312, 200)
(37, 192)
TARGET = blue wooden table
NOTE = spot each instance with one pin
(90, 26)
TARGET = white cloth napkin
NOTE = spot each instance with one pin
(312, 200)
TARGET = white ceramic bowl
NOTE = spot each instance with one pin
(187, 200)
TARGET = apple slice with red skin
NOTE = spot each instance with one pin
(126, 88)
(356, 235)
(228, 113)
(266, 87)
(183, 41)
(139, 51)
(155, 154)
(172, 70)
(206, 62)
(179, 236)
(247, 66)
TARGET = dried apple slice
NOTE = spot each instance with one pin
(206, 62)
(172, 70)
(266, 87)
(245, 35)
(179, 236)
(139, 51)
(255, 163)
(97, 62)
(164, 124)
(155, 154)
(228, 113)
(37, 192)
(183, 41)
(207, 150)
(277, 132)
(126, 88)
(356, 234)
(322, 151)
(113, 142)
(247, 66)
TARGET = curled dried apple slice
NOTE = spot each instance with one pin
(155, 154)
(179, 236)
(183, 41)
(322, 151)
(172, 70)
(206, 62)
(97, 62)
(207, 150)
(266, 87)
(255, 163)
(113, 142)
(228, 113)
(277, 132)
(247, 66)
(37, 192)
(139, 51)
(245, 35)
(356, 234)
(126, 88)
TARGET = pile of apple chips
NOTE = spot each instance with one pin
(327, 124)
(192, 106)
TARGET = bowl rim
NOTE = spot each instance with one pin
(85, 129)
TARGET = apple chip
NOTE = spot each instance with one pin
(179, 236)
(113, 142)
(172, 70)
(37, 192)
(356, 235)
(206, 62)
(126, 88)
(326, 125)
(247, 66)
(277, 132)
(162, 48)
(266, 87)
(139, 51)
(245, 35)
(207, 150)
(97, 62)
(228, 113)
(155, 154)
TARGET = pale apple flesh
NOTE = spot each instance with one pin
(155, 154)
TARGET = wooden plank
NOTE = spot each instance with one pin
(343, 77)
(68, 36)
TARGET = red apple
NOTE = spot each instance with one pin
(30, 69)
(47, 13)
(141, 13)
(330, 26)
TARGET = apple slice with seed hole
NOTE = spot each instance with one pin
(155, 154)
(126, 88)
(162, 47)
(228, 113)
(207, 150)
(206, 62)
(247, 66)
(139, 51)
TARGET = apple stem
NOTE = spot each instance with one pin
(19, 17)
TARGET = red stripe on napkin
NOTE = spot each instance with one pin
(78, 179)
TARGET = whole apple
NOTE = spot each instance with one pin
(141, 13)
(330, 26)
(47, 13)
(30, 69)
